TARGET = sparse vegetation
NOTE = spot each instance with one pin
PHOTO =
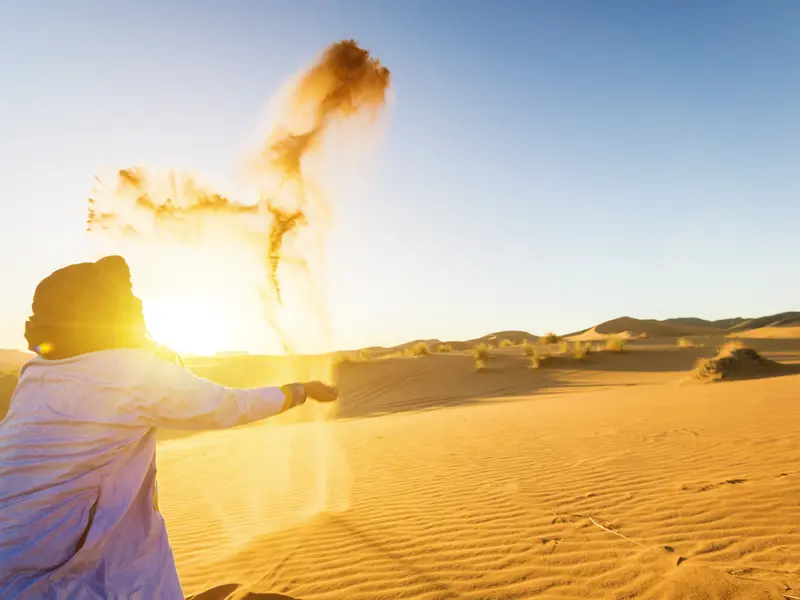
(549, 338)
(580, 350)
(528, 349)
(480, 365)
(481, 352)
(419, 349)
(615, 344)
(684, 342)
(563, 347)
(539, 358)
(506, 343)
(445, 348)
(364, 356)
(734, 360)
(644, 336)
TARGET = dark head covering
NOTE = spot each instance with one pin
(86, 307)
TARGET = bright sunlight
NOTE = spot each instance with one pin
(187, 326)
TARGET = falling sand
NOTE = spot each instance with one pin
(286, 471)
(347, 82)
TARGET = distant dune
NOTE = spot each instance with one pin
(739, 322)
(681, 327)
(12, 360)
(632, 328)
(778, 332)
(492, 339)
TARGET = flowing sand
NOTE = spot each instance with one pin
(439, 482)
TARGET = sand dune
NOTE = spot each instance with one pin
(683, 327)
(652, 328)
(780, 332)
(596, 479)
(592, 335)
(11, 360)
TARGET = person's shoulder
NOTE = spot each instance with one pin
(126, 366)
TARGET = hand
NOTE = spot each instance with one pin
(321, 392)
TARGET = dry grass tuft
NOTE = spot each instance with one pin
(506, 343)
(563, 347)
(538, 358)
(419, 349)
(580, 350)
(615, 344)
(445, 348)
(549, 338)
(481, 352)
(684, 342)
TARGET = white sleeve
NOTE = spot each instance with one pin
(173, 397)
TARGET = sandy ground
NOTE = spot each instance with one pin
(606, 478)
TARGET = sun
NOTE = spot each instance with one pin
(186, 326)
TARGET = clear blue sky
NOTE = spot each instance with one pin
(548, 165)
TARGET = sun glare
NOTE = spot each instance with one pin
(186, 326)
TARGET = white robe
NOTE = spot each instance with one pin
(78, 517)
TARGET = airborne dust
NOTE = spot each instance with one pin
(346, 82)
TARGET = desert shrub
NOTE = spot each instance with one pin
(480, 352)
(734, 360)
(686, 343)
(644, 336)
(445, 348)
(615, 344)
(538, 359)
(364, 356)
(528, 349)
(549, 338)
(480, 364)
(506, 343)
(419, 349)
(579, 351)
(563, 347)
(598, 347)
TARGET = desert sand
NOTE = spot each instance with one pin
(775, 333)
(610, 477)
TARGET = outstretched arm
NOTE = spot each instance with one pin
(172, 397)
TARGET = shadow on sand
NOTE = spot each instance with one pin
(230, 590)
